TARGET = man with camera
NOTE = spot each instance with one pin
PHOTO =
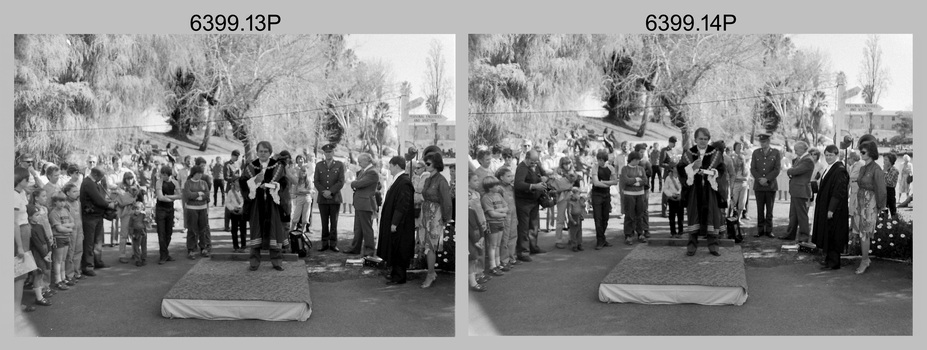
(529, 186)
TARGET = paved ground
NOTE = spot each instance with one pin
(557, 294)
(124, 300)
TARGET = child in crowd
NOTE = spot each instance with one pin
(633, 179)
(497, 213)
(40, 246)
(196, 194)
(234, 204)
(477, 224)
(509, 233)
(62, 225)
(672, 189)
(76, 250)
(139, 223)
(576, 212)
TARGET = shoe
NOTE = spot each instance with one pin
(429, 280)
(124, 260)
(863, 265)
(161, 262)
(598, 246)
(828, 268)
(70, 283)
(606, 244)
(138, 264)
(505, 268)
(252, 268)
(191, 256)
(89, 273)
(227, 229)
(745, 217)
(170, 258)
(759, 234)
(49, 293)
(579, 248)
(496, 272)
(100, 266)
(516, 262)
(629, 241)
(324, 248)
(43, 302)
(351, 252)
(334, 249)
(78, 276)
(524, 258)
(539, 251)
(483, 279)
(787, 238)
(690, 253)
(574, 249)
(642, 239)
(559, 246)
(205, 253)
(278, 268)
(392, 283)
(28, 308)
(62, 286)
(715, 253)
(478, 288)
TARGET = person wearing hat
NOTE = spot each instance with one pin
(231, 170)
(328, 181)
(765, 166)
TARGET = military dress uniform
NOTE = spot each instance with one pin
(329, 176)
(765, 164)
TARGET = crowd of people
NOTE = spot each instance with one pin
(61, 210)
(704, 190)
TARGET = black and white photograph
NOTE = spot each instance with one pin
(690, 184)
(234, 185)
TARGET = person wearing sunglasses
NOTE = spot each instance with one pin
(870, 199)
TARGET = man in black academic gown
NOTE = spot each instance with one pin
(831, 228)
(397, 223)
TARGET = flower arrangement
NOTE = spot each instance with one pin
(892, 239)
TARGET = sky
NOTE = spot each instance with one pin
(405, 54)
(845, 52)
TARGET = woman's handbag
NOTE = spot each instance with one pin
(24, 265)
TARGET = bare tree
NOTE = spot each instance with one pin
(873, 77)
(437, 87)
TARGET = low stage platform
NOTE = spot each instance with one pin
(223, 288)
(661, 273)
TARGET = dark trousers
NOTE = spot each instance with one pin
(164, 221)
(197, 229)
(218, 186)
(93, 241)
(601, 207)
(675, 217)
(329, 215)
(832, 256)
(890, 200)
(656, 177)
(528, 214)
(398, 270)
(798, 219)
(239, 231)
(139, 245)
(225, 219)
(276, 256)
(635, 215)
(363, 233)
(764, 211)
(663, 204)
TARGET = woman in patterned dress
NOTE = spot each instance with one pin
(436, 211)
(870, 199)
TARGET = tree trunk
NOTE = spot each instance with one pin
(241, 132)
(615, 114)
(646, 116)
(208, 132)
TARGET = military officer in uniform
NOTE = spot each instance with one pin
(328, 180)
(764, 167)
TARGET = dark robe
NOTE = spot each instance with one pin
(833, 234)
(703, 202)
(398, 209)
(264, 215)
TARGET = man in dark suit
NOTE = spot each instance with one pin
(831, 230)
(397, 223)
(93, 204)
(528, 187)
(765, 166)
(365, 188)
(328, 180)
(800, 191)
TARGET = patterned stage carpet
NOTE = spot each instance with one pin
(668, 265)
(231, 280)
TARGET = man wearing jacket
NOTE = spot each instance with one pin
(328, 180)
(800, 191)
(365, 188)
(528, 187)
(93, 204)
(765, 166)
